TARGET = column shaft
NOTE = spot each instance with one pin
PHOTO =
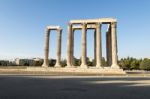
(72, 49)
(95, 47)
(98, 46)
(69, 40)
(109, 49)
(84, 49)
(58, 57)
(46, 48)
(114, 45)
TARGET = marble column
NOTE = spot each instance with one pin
(108, 49)
(84, 47)
(58, 57)
(46, 49)
(98, 46)
(114, 45)
(95, 47)
(72, 48)
(69, 40)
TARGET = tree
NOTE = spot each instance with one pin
(52, 62)
(38, 63)
(125, 63)
(145, 64)
(135, 64)
(64, 63)
(90, 63)
(104, 63)
(76, 62)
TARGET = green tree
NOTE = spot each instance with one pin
(145, 64)
(135, 64)
(125, 63)
(38, 63)
(52, 62)
(104, 63)
(90, 63)
(64, 63)
(76, 62)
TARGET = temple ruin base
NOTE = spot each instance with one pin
(90, 70)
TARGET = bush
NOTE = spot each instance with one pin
(145, 64)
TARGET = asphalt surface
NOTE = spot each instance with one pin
(73, 87)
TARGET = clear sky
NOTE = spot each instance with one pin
(22, 25)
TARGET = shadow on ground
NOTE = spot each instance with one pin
(67, 87)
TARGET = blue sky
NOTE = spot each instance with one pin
(22, 25)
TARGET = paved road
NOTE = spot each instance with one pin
(73, 87)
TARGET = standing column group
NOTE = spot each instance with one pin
(97, 45)
(46, 49)
(111, 44)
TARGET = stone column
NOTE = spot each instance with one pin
(95, 47)
(84, 49)
(46, 49)
(98, 46)
(69, 40)
(108, 49)
(72, 48)
(114, 45)
(58, 57)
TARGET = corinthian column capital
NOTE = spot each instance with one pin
(114, 25)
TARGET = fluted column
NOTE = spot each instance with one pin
(72, 48)
(114, 45)
(58, 57)
(108, 49)
(95, 47)
(98, 46)
(84, 49)
(69, 40)
(46, 49)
